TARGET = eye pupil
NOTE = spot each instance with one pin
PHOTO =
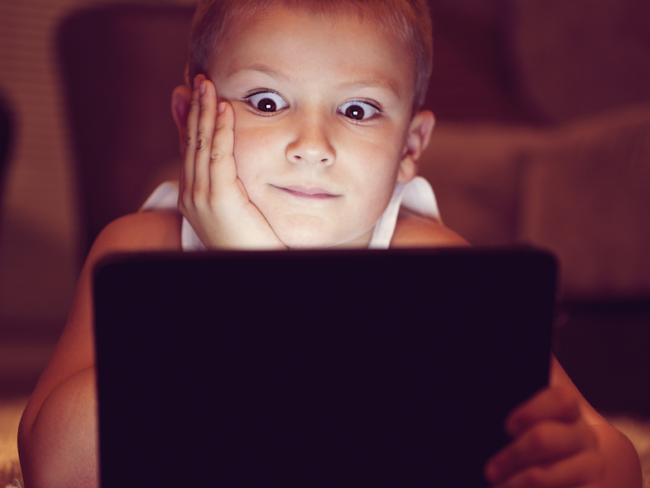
(355, 112)
(267, 105)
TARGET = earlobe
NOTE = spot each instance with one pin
(407, 169)
(180, 106)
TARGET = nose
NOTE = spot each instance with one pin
(311, 144)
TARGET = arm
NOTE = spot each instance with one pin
(57, 435)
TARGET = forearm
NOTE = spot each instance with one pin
(622, 465)
(60, 448)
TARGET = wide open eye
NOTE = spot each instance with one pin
(266, 101)
(358, 110)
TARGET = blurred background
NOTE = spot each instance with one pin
(41, 243)
(543, 137)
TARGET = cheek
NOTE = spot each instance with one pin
(251, 152)
(378, 163)
(378, 169)
(379, 191)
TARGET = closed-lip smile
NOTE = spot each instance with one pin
(306, 192)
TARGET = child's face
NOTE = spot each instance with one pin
(298, 83)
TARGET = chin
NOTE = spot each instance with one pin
(310, 232)
(316, 239)
(304, 237)
(305, 240)
(302, 232)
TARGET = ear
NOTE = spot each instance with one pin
(181, 99)
(417, 139)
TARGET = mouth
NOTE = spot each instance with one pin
(307, 192)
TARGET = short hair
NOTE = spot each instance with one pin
(410, 20)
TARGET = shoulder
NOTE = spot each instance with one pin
(141, 231)
(413, 230)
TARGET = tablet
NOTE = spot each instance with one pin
(316, 368)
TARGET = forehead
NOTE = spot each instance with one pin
(305, 45)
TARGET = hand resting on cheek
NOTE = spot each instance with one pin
(211, 195)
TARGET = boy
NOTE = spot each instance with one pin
(314, 144)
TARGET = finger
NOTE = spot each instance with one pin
(558, 404)
(543, 444)
(204, 136)
(583, 469)
(223, 172)
(187, 180)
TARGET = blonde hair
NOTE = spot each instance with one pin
(409, 20)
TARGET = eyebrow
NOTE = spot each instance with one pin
(386, 83)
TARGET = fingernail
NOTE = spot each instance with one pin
(196, 81)
(203, 87)
(221, 107)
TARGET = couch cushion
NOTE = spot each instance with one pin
(471, 78)
(474, 172)
(586, 197)
(124, 60)
(581, 57)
